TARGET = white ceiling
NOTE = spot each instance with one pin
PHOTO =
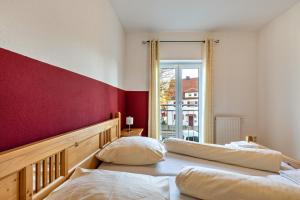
(197, 15)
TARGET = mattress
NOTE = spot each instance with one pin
(173, 164)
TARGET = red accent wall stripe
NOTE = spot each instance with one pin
(38, 100)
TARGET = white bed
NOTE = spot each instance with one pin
(168, 168)
(173, 163)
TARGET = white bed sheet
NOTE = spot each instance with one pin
(173, 163)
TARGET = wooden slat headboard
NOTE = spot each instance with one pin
(33, 171)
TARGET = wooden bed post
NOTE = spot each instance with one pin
(26, 189)
(64, 163)
(118, 115)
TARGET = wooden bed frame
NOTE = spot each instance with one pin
(34, 170)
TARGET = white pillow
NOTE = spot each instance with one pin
(262, 159)
(205, 183)
(134, 150)
(102, 184)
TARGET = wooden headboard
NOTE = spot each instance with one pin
(33, 171)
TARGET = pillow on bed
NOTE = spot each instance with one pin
(133, 151)
(262, 159)
(205, 183)
(102, 184)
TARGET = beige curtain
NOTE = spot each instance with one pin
(208, 113)
(153, 130)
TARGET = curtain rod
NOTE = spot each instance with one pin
(199, 41)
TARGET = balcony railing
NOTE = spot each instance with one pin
(189, 124)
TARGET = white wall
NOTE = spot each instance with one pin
(279, 83)
(86, 38)
(235, 77)
(136, 76)
(235, 68)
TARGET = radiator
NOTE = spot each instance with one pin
(228, 129)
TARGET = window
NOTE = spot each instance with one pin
(180, 86)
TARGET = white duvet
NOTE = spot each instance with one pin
(212, 184)
(261, 159)
(104, 185)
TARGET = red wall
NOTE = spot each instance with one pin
(137, 107)
(38, 100)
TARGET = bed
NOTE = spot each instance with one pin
(174, 163)
(35, 170)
